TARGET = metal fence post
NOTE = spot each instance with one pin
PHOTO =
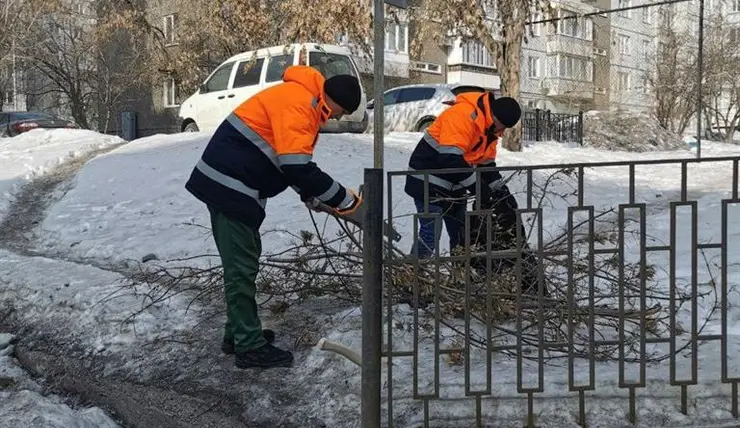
(538, 133)
(372, 298)
(580, 127)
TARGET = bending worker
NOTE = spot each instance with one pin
(464, 135)
(265, 145)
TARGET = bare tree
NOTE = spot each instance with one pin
(672, 77)
(17, 18)
(225, 27)
(228, 27)
(584, 288)
(87, 58)
(499, 24)
(721, 89)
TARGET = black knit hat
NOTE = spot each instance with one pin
(344, 90)
(506, 110)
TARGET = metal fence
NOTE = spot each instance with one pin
(621, 278)
(543, 125)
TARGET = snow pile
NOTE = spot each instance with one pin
(131, 201)
(626, 130)
(35, 152)
(23, 403)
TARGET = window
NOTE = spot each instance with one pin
(576, 68)
(625, 13)
(476, 53)
(736, 5)
(647, 15)
(277, 66)
(248, 72)
(171, 93)
(396, 37)
(331, 65)
(623, 44)
(646, 51)
(427, 67)
(666, 13)
(575, 27)
(623, 81)
(536, 28)
(533, 67)
(170, 29)
(391, 98)
(734, 35)
(220, 79)
(409, 95)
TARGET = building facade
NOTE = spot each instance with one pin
(598, 61)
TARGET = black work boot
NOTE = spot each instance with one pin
(227, 347)
(264, 357)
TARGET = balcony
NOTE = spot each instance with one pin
(558, 87)
(569, 45)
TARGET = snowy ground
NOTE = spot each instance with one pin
(108, 215)
(33, 153)
(24, 403)
(131, 202)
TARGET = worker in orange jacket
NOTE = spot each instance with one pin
(464, 135)
(265, 145)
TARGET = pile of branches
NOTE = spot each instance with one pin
(575, 295)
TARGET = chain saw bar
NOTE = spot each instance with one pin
(388, 230)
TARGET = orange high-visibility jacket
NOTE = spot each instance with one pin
(266, 145)
(456, 139)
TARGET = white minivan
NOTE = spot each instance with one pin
(247, 73)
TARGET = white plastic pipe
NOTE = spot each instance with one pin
(327, 345)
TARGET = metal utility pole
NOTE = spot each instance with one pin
(372, 298)
(378, 82)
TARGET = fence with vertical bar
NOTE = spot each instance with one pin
(632, 291)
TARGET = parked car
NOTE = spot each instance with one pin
(245, 74)
(413, 108)
(13, 123)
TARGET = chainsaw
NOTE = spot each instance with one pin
(356, 218)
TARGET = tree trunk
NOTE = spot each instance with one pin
(730, 137)
(509, 67)
(79, 112)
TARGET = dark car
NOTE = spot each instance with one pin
(17, 122)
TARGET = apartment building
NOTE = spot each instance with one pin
(557, 63)
(634, 38)
(594, 62)
(397, 65)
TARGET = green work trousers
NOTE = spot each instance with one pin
(239, 247)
